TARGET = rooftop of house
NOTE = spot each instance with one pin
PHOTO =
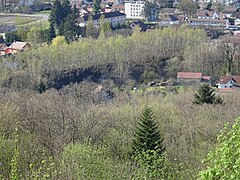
(118, 6)
(225, 79)
(229, 9)
(139, 23)
(181, 17)
(189, 75)
(18, 45)
(206, 78)
(106, 15)
(226, 90)
(205, 13)
(107, 10)
(169, 18)
(168, 10)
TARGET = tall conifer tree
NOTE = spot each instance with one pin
(147, 136)
(51, 33)
(206, 94)
(56, 14)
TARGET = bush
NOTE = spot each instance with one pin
(224, 161)
(82, 161)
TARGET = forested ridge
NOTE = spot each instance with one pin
(161, 52)
(54, 124)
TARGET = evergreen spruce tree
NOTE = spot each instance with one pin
(206, 94)
(70, 29)
(51, 33)
(56, 14)
(147, 137)
(66, 9)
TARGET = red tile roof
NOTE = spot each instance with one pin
(206, 77)
(226, 90)
(189, 75)
(227, 78)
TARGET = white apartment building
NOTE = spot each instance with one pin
(134, 9)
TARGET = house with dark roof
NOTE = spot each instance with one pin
(143, 27)
(229, 81)
(169, 20)
(192, 78)
(115, 19)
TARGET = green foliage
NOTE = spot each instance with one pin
(224, 161)
(70, 29)
(51, 33)
(7, 151)
(209, 6)
(189, 7)
(149, 165)
(45, 171)
(149, 76)
(96, 6)
(91, 31)
(58, 41)
(38, 34)
(147, 136)
(66, 9)
(19, 35)
(206, 94)
(56, 15)
(65, 21)
(15, 174)
(151, 11)
(82, 161)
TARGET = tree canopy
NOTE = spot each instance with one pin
(224, 161)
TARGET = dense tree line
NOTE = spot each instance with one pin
(140, 57)
(63, 20)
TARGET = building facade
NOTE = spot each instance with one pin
(208, 22)
(134, 10)
(115, 19)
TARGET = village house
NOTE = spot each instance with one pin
(115, 19)
(14, 48)
(19, 46)
(208, 22)
(167, 20)
(206, 14)
(228, 81)
(143, 27)
(192, 78)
